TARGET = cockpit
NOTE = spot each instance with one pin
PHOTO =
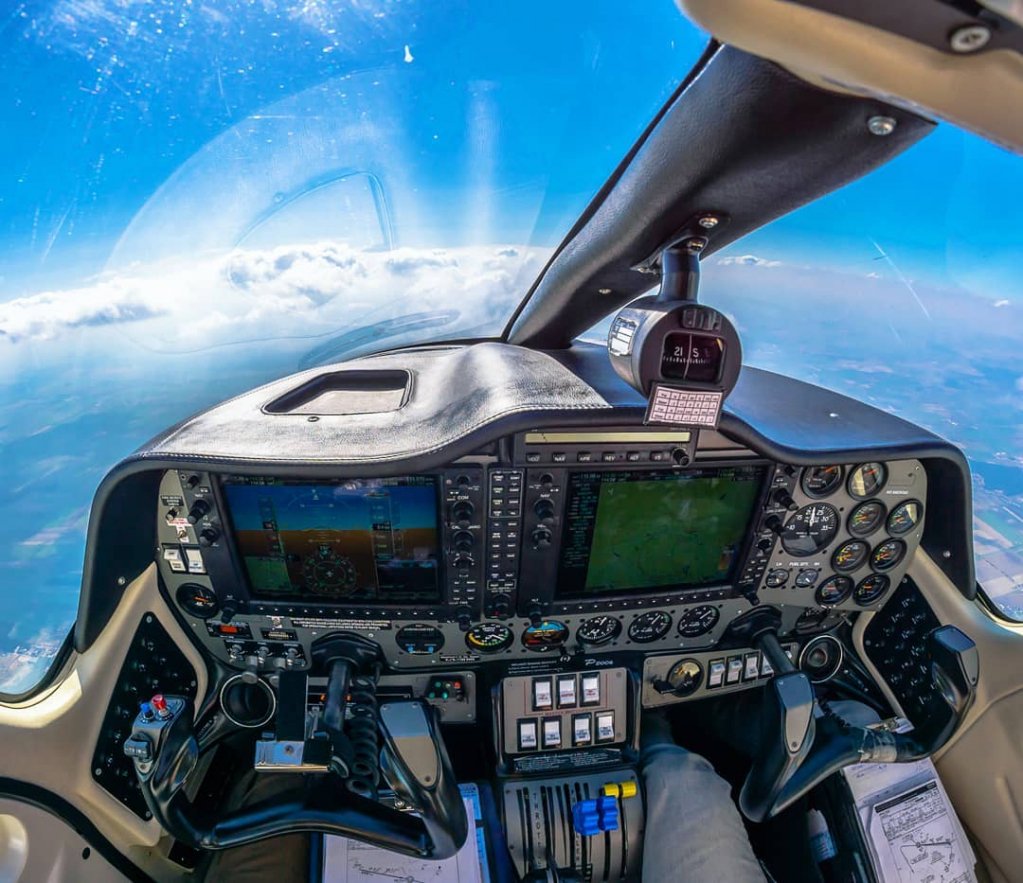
(586, 596)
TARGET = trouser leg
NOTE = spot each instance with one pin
(283, 859)
(694, 833)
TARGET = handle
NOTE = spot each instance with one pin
(165, 754)
(797, 754)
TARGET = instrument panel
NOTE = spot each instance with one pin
(572, 544)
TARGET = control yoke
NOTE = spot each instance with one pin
(799, 749)
(165, 752)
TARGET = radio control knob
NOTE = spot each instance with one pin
(783, 498)
(544, 509)
(541, 537)
(500, 607)
(462, 541)
(461, 513)
(535, 614)
(463, 561)
(208, 537)
(680, 456)
(463, 616)
(199, 509)
(547, 479)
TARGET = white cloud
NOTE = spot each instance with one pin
(302, 290)
(747, 260)
(1001, 303)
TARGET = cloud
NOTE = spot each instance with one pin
(1001, 303)
(747, 260)
(290, 291)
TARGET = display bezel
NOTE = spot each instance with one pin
(702, 591)
(311, 600)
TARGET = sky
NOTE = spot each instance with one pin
(199, 196)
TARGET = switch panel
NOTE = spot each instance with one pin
(564, 712)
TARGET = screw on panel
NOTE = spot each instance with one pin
(969, 38)
(881, 125)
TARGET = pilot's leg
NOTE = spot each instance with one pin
(694, 833)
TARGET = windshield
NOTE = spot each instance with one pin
(199, 197)
(904, 290)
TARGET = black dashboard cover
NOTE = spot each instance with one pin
(462, 398)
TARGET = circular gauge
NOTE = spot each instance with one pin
(685, 677)
(198, 600)
(548, 635)
(866, 518)
(419, 639)
(489, 637)
(888, 555)
(850, 556)
(821, 658)
(776, 578)
(649, 627)
(810, 529)
(905, 517)
(820, 481)
(834, 591)
(328, 573)
(698, 621)
(599, 630)
(871, 588)
(806, 578)
(867, 480)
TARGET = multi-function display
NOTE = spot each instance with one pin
(650, 530)
(362, 540)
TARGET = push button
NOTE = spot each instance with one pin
(543, 697)
(552, 732)
(566, 692)
(527, 735)
(582, 729)
(751, 669)
(605, 726)
(733, 674)
(715, 673)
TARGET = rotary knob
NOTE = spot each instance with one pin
(544, 509)
(200, 509)
(462, 541)
(461, 513)
(541, 537)
(208, 537)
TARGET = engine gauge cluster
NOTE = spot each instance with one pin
(848, 534)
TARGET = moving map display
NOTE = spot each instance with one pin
(642, 530)
(366, 540)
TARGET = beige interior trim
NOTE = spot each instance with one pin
(982, 92)
(49, 740)
(982, 766)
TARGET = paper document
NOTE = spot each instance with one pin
(347, 861)
(921, 837)
(909, 824)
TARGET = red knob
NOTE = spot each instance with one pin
(160, 704)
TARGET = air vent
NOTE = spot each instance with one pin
(342, 393)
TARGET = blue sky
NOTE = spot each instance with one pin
(331, 508)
